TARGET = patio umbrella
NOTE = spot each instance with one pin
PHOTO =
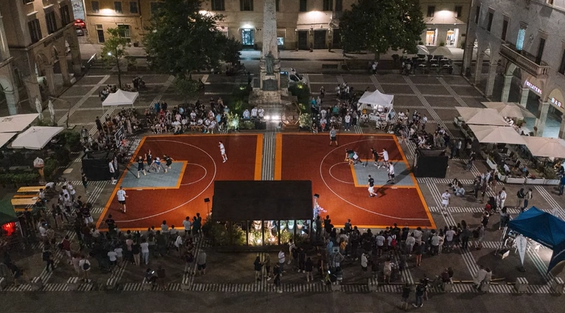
(443, 50)
(509, 109)
(51, 111)
(39, 108)
(422, 50)
(497, 134)
(481, 116)
(35, 137)
(545, 146)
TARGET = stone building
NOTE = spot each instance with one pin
(524, 44)
(9, 96)
(43, 47)
(302, 24)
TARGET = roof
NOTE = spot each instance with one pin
(262, 200)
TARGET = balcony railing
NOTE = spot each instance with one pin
(524, 60)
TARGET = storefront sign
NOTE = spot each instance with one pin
(556, 102)
(533, 87)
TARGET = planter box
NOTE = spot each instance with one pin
(491, 164)
(512, 180)
(552, 182)
(536, 181)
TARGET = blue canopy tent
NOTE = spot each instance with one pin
(544, 228)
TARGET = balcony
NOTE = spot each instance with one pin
(524, 60)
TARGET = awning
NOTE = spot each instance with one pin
(314, 20)
(497, 134)
(120, 97)
(16, 123)
(447, 19)
(36, 137)
(5, 137)
(481, 116)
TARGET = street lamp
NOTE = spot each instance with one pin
(117, 66)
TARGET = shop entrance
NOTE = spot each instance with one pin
(247, 37)
(303, 40)
(320, 39)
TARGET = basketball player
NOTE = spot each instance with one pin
(223, 152)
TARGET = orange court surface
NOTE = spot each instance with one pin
(197, 164)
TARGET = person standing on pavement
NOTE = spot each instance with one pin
(161, 277)
(201, 262)
(521, 195)
(527, 198)
(267, 264)
(84, 265)
(144, 251)
(48, 258)
(121, 195)
(308, 267)
(502, 196)
(420, 289)
(333, 136)
(223, 152)
(278, 273)
(258, 266)
(406, 290)
(84, 182)
(282, 260)
(445, 200)
(186, 223)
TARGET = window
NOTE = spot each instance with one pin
(34, 30)
(328, 5)
(218, 5)
(118, 6)
(51, 22)
(65, 16)
(489, 20)
(133, 7)
(154, 8)
(303, 5)
(277, 2)
(477, 14)
(95, 6)
(123, 30)
(562, 65)
(338, 5)
(458, 11)
(431, 11)
(550, 2)
(246, 5)
(504, 29)
(520, 38)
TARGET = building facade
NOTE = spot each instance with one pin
(42, 42)
(9, 88)
(302, 24)
(524, 42)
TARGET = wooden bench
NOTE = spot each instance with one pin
(30, 189)
(20, 204)
(73, 283)
(373, 284)
(24, 196)
(36, 283)
(521, 284)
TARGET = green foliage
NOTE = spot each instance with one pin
(180, 40)
(223, 235)
(186, 87)
(305, 120)
(63, 156)
(380, 25)
(114, 49)
(239, 99)
(231, 51)
(247, 124)
(233, 121)
(302, 92)
(72, 140)
(19, 178)
(50, 168)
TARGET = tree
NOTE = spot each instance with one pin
(114, 50)
(232, 47)
(180, 40)
(380, 25)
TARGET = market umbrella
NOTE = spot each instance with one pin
(35, 137)
(481, 116)
(16, 123)
(545, 146)
(443, 50)
(509, 109)
(422, 50)
(51, 111)
(39, 108)
(497, 134)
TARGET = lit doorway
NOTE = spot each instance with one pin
(431, 37)
(451, 38)
(247, 37)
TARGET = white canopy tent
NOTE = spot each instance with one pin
(444, 51)
(509, 109)
(546, 147)
(422, 50)
(16, 123)
(497, 134)
(376, 99)
(5, 137)
(120, 97)
(481, 116)
(36, 137)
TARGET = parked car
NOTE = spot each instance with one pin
(79, 24)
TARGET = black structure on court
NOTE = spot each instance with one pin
(265, 210)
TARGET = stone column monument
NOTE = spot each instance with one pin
(270, 64)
